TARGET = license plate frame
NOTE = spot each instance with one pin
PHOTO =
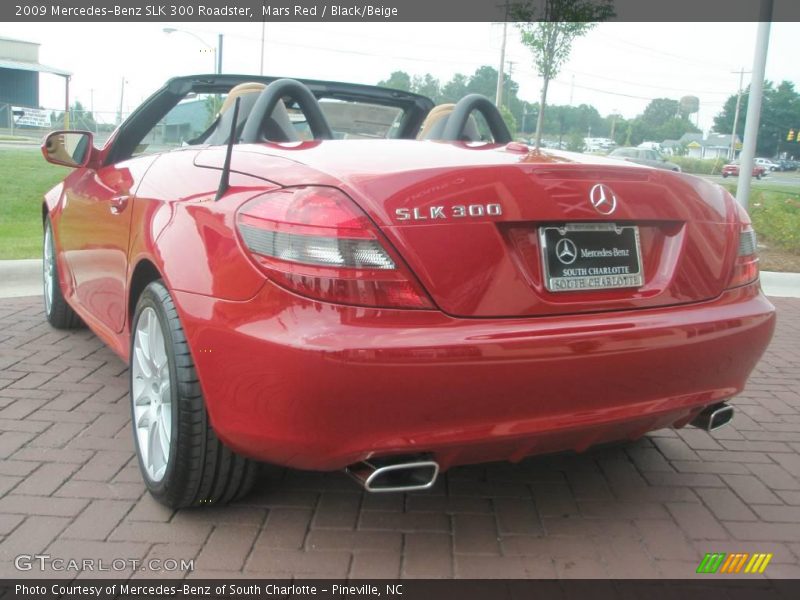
(599, 260)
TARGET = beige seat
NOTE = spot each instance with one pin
(277, 127)
(434, 124)
(238, 91)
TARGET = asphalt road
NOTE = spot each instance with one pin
(786, 178)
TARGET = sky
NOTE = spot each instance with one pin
(617, 67)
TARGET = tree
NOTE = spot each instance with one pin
(80, 118)
(662, 119)
(660, 111)
(427, 85)
(549, 35)
(482, 81)
(398, 80)
(511, 122)
(213, 104)
(575, 142)
(780, 111)
(455, 89)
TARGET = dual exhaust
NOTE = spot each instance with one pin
(415, 473)
(713, 417)
(395, 474)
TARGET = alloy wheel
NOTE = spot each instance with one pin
(48, 260)
(151, 395)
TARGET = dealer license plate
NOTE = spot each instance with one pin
(591, 256)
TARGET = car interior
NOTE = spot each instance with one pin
(287, 110)
(278, 127)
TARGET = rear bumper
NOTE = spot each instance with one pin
(310, 385)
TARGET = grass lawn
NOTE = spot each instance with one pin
(24, 178)
(775, 212)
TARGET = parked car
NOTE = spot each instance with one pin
(786, 165)
(768, 164)
(644, 156)
(598, 144)
(732, 168)
(394, 296)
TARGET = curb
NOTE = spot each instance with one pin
(20, 278)
(781, 285)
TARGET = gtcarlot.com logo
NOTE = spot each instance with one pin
(742, 562)
(46, 562)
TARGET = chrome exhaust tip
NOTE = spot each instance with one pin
(394, 474)
(713, 417)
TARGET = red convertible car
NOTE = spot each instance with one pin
(334, 276)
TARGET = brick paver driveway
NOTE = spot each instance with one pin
(70, 487)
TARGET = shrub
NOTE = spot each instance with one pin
(699, 166)
(776, 219)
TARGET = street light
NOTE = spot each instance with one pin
(217, 52)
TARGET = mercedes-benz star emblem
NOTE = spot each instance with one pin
(603, 199)
(566, 251)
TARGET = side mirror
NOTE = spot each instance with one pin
(68, 148)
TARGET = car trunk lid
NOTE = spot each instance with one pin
(473, 222)
(477, 234)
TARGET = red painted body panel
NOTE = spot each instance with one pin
(501, 369)
(94, 231)
(318, 386)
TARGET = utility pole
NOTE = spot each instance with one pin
(571, 89)
(91, 108)
(66, 101)
(747, 157)
(511, 64)
(736, 114)
(263, 32)
(219, 54)
(498, 99)
(121, 97)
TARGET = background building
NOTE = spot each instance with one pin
(19, 82)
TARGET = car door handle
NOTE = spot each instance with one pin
(118, 204)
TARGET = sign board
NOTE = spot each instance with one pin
(31, 117)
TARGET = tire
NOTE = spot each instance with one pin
(183, 462)
(758, 175)
(58, 313)
(724, 175)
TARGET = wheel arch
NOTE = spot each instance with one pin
(51, 200)
(144, 273)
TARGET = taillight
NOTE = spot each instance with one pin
(315, 241)
(745, 268)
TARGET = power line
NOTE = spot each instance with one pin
(693, 60)
(647, 85)
(485, 57)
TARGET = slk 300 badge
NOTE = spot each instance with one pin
(458, 211)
